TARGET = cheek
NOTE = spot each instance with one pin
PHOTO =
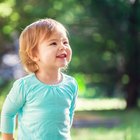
(69, 55)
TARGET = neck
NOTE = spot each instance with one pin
(49, 77)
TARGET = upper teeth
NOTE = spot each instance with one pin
(62, 55)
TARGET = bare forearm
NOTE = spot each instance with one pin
(7, 136)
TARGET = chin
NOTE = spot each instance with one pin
(63, 65)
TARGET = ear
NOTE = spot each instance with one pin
(35, 58)
(33, 55)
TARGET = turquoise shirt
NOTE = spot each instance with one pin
(45, 112)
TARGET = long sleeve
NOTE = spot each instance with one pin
(13, 102)
(73, 103)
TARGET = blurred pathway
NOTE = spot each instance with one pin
(100, 104)
(108, 123)
(87, 117)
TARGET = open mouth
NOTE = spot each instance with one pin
(61, 56)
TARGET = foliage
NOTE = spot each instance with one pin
(104, 35)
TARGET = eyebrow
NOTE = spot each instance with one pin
(53, 40)
(57, 39)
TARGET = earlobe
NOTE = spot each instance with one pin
(35, 58)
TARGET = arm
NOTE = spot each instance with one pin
(14, 101)
(73, 103)
(6, 136)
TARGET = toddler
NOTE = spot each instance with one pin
(44, 99)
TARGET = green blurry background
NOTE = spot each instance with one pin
(105, 39)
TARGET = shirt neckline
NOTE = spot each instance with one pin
(48, 85)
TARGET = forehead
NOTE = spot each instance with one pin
(56, 34)
(60, 33)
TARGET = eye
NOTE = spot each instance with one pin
(65, 42)
(53, 44)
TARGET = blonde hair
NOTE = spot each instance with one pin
(30, 38)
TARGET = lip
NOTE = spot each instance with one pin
(63, 55)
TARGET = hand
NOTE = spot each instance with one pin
(6, 136)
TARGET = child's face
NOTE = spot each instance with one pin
(54, 52)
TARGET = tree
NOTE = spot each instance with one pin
(114, 37)
(104, 35)
(133, 56)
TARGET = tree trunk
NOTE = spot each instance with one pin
(133, 61)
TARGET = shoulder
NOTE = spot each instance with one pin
(71, 81)
(23, 82)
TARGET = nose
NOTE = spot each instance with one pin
(62, 46)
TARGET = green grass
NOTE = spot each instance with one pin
(127, 129)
